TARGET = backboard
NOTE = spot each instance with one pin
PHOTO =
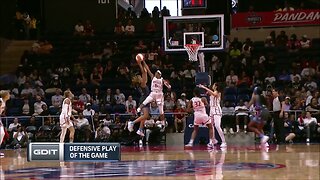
(207, 29)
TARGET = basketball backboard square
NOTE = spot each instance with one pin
(193, 38)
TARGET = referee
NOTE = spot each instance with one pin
(277, 119)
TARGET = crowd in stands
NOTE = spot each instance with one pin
(103, 74)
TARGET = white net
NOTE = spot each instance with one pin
(192, 50)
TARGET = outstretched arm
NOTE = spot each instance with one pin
(148, 70)
(210, 92)
(167, 84)
(143, 75)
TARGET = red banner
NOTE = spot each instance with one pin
(272, 19)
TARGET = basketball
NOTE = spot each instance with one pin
(139, 57)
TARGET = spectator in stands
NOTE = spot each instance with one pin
(78, 105)
(131, 105)
(26, 108)
(296, 82)
(179, 118)
(45, 111)
(310, 84)
(310, 124)
(85, 97)
(88, 29)
(287, 7)
(231, 79)
(130, 14)
(102, 133)
(144, 13)
(56, 100)
(79, 29)
(284, 77)
(286, 106)
(36, 78)
(313, 106)
(63, 71)
(96, 99)
(235, 54)
(88, 112)
(270, 79)
(21, 79)
(54, 84)
(27, 91)
(20, 138)
(236, 43)
(119, 29)
(151, 27)
(171, 94)
(307, 71)
(83, 126)
(289, 128)
(189, 73)
(108, 101)
(165, 11)
(154, 111)
(129, 29)
(140, 47)
(293, 45)
(95, 77)
(244, 80)
(282, 39)
(14, 125)
(81, 78)
(120, 97)
(228, 117)
(241, 112)
(109, 71)
(269, 42)
(168, 104)
(305, 42)
(155, 12)
(298, 104)
(123, 72)
(38, 91)
(257, 80)
(183, 101)
(38, 106)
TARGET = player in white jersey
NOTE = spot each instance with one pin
(4, 97)
(66, 117)
(198, 105)
(156, 94)
(215, 110)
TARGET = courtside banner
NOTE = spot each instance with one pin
(86, 152)
(276, 18)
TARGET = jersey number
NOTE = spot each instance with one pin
(197, 104)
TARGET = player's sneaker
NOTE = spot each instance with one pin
(140, 143)
(140, 133)
(264, 139)
(224, 144)
(188, 145)
(1, 154)
(138, 110)
(210, 145)
(231, 131)
(130, 126)
(266, 144)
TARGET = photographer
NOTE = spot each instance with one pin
(102, 133)
(20, 138)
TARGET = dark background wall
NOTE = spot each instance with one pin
(62, 15)
(7, 13)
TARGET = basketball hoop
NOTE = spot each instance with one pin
(192, 50)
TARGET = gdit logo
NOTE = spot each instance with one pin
(45, 152)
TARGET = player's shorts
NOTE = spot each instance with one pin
(201, 119)
(261, 116)
(158, 97)
(63, 123)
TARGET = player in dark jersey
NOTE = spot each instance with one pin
(260, 115)
(144, 92)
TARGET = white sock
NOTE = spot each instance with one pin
(191, 141)
(238, 127)
(245, 127)
(211, 141)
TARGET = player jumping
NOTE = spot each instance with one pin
(215, 110)
(200, 117)
(4, 97)
(261, 115)
(144, 91)
(66, 117)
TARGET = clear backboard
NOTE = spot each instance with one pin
(206, 29)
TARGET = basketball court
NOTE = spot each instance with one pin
(298, 161)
